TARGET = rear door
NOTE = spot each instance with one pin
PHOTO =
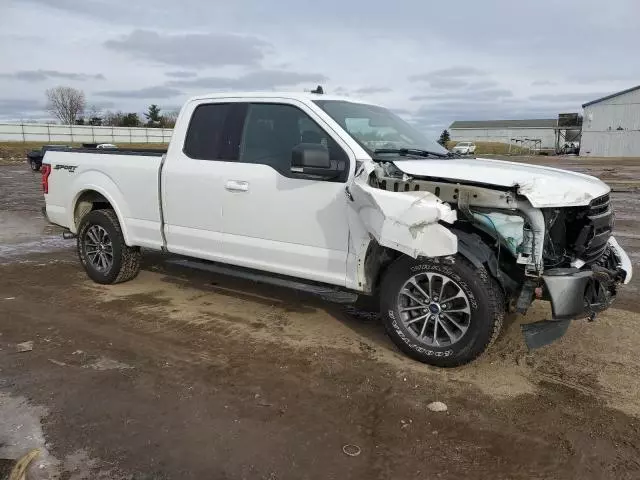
(280, 221)
(192, 181)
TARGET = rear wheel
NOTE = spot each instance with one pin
(102, 251)
(34, 165)
(441, 311)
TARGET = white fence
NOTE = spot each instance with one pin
(31, 132)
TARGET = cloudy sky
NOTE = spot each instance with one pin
(432, 62)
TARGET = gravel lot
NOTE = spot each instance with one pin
(185, 375)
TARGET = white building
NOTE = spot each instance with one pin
(507, 131)
(611, 126)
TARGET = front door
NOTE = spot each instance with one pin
(279, 221)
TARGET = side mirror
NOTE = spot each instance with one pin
(311, 159)
(311, 155)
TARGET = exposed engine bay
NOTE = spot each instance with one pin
(563, 254)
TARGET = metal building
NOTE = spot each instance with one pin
(611, 126)
(508, 131)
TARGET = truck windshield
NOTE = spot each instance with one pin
(378, 130)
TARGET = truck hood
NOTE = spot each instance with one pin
(542, 186)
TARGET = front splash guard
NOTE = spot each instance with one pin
(539, 334)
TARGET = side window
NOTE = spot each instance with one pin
(271, 132)
(214, 131)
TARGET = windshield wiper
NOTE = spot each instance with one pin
(411, 151)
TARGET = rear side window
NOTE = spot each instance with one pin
(214, 131)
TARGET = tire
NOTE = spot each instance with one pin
(460, 337)
(100, 231)
(34, 165)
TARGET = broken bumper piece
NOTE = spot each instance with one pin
(578, 293)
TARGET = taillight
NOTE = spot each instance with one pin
(46, 171)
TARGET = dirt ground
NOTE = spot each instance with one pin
(186, 375)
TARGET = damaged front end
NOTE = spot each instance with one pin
(562, 254)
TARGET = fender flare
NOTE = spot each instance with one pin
(111, 198)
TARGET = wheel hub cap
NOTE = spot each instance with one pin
(434, 309)
(98, 248)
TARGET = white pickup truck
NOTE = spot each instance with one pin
(344, 196)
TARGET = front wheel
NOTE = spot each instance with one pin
(441, 311)
(102, 250)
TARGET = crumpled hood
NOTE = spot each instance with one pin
(542, 186)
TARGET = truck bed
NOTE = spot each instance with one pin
(127, 179)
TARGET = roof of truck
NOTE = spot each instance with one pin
(302, 96)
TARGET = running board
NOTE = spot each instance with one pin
(328, 293)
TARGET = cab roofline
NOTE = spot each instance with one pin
(300, 96)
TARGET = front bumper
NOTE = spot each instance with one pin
(623, 258)
(583, 293)
(576, 293)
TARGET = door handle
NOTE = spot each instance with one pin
(237, 186)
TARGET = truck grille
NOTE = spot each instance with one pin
(597, 227)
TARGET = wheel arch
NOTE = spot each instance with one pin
(92, 198)
(471, 246)
(377, 260)
(477, 251)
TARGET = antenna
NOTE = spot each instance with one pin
(319, 90)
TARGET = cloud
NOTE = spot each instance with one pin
(454, 83)
(578, 98)
(101, 9)
(379, 47)
(42, 75)
(148, 92)
(601, 77)
(260, 79)
(448, 73)
(477, 96)
(17, 104)
(372, 90)
(170, 107)
(100, 105)
(457, 77)
(181, 74)
(192, 49)
(446, 83)
(16, 109)
(541, 83)
(482, 84)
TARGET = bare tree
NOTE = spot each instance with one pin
(168, 120)
(94, 116)
(66, 104)
(112, 119)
